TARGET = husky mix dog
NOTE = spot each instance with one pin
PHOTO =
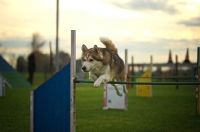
(103, 64)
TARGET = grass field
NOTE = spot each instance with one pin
(169, 110)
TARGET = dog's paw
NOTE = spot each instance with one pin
(118, 93)
(97, 83)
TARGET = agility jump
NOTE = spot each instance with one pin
(53, 104)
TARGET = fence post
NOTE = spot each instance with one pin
(132, 70)
(198, 80)
(198, 90)
(177, 71)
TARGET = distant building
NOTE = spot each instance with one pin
(187, 60)
(170, 57)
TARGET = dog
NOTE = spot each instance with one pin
(103, 64)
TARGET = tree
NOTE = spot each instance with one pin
(11, 56)
(37, 42)
(64, 59)
(21, 64)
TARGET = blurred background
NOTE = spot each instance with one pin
(144, 27)
(167, 30)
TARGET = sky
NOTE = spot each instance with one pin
(144, 27)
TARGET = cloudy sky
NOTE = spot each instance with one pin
(144, 27)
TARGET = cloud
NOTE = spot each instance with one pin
(15, 42)
(155, 5)
(159, 49)
(158, 43)
(3, 3)
(194, 22)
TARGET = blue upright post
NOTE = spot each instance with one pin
(52, 104)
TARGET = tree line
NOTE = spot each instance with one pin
(44, 62)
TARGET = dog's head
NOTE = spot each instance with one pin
(91, 58)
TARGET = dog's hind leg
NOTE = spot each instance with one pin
(124, 89)
(117, 90)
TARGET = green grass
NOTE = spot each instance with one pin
(169, 110)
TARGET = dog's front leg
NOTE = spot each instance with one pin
(92, 77)
(102, 79)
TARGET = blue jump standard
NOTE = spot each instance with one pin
(52, 103)
(14, 78)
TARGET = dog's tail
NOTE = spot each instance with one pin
(109, 44)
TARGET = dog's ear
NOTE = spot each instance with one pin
(96, 49)
(84, 48)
